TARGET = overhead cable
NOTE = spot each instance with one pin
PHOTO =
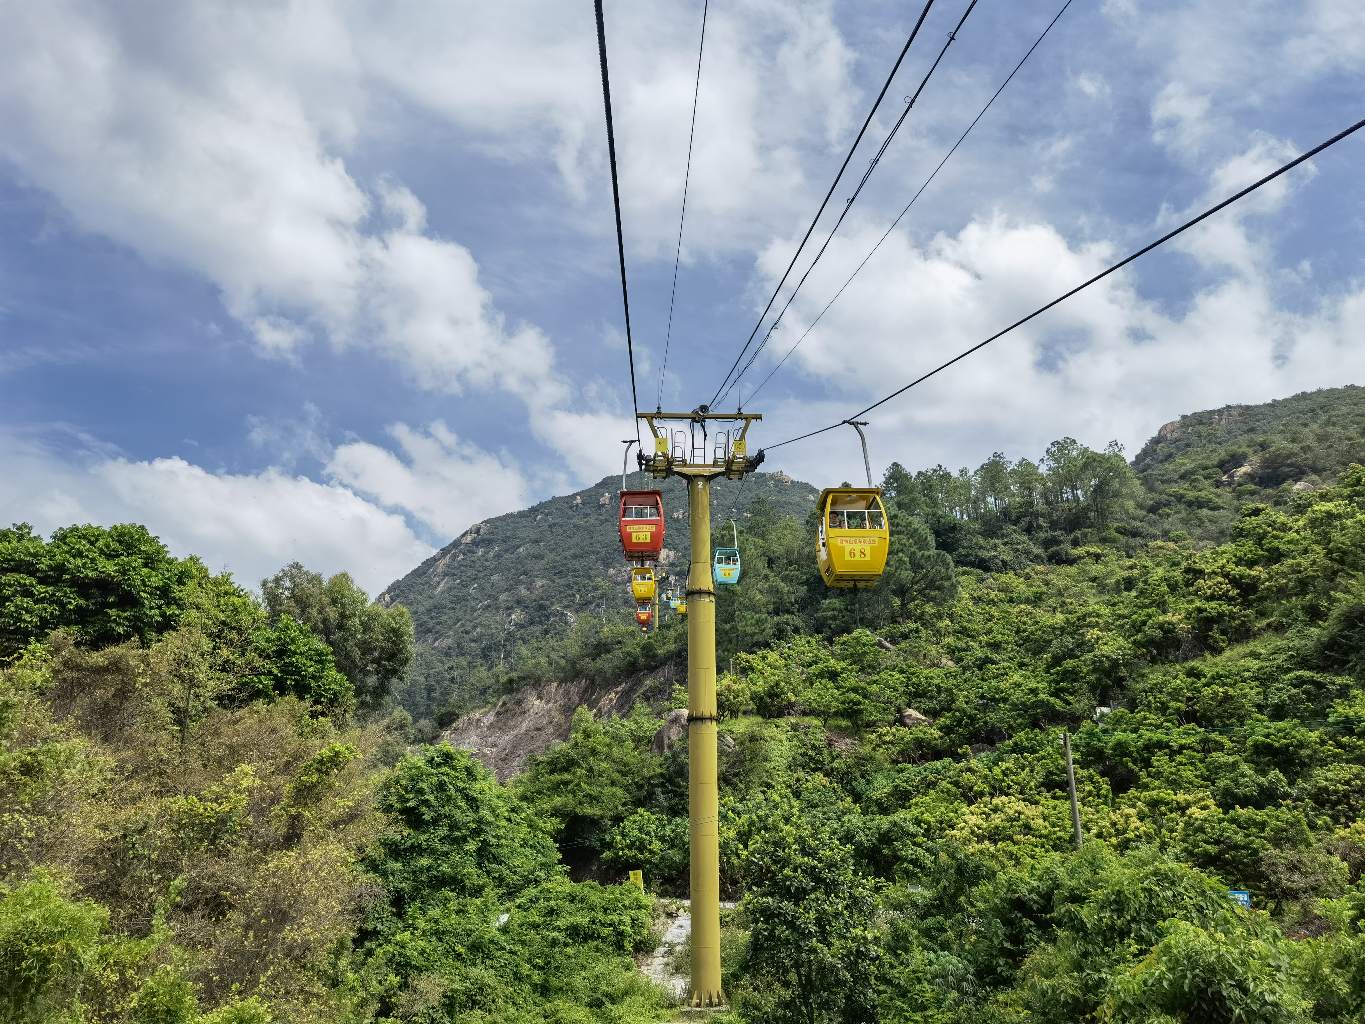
(833, 185)
(901, 216)
(687, 175)
(848, 204)
(1283, 169)
(616, 204)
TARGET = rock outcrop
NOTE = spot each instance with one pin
(507, 734)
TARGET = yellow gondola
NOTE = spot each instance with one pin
(642, 585)
(854, 538)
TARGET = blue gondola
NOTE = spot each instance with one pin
(725, 566)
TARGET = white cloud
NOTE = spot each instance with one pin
(219, 146)
(251, 524)
(289, 441)
(589, 442)
(520, 77)
(1332, 36)
(1225, 241)
(1092, 85)
(1180, 118)
(446, 483)
(1105, 364)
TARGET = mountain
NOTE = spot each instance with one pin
(519, 578)
(1198, 469)
(515, 585)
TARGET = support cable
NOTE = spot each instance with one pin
(848, 204)
(835, 184)
(1283, 169)
(901, 216)
(687, 175)
(616, 204)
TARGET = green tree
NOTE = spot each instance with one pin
(48, 943)
(590, 782)
(295, 663)
(812, 954)
(372, 644)
(456, 830)
(1200, 975)
(108, 584)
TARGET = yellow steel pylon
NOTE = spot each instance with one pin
(723, 453)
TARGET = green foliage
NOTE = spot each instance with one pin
(811, 954)
(1201, 468)
(1194, 974)
(370, 643)
(47, 944)
(455, 830)
(296, 663)
(1005, 516)
(480, 923)
(589, 784)
(107, 585)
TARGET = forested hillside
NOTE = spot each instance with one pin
(490, 615)
(1198, 469)
(515, 580)
(210, 812)
(896, 820)
(200, 823)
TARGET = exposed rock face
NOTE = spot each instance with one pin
(506, 735)
(1168, 430)
(1237, 475)
(671, 733)
(910, 718)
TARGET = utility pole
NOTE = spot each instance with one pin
(727, 457)
(1071, 787)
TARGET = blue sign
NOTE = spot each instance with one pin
(1241, 896)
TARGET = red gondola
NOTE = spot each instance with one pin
(642, 524)
(644, 616)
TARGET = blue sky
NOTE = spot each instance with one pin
(335, 281)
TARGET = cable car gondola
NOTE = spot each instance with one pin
(642, 524)
(642, 585)
(725, 566)
(853, 538)
(644, 616)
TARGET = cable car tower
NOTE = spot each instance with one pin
(699, 447)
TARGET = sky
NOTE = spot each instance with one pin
(332, 280)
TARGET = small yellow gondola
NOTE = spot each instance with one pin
(853, 539)
(642, 585)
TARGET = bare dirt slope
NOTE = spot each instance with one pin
(507, 734)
